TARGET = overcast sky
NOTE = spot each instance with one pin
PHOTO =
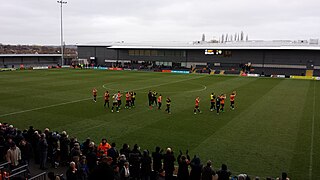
(87, 21)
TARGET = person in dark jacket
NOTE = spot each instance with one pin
(125, 172)
(145, 165)
(26, 151)
(168, 164)
(183, 171)
(113, 152)
(196, 168)
(72, 172)
(207, 172)
(125, 150)
(43, 149)
(157, 160)
(103, 171)
(224, 173)
(135, 161)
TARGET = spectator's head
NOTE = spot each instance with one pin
(72, 165)
(125, 146)
(113, 144)
(224, 167)
(122, 157)
(126, 164)
(23, 142)
(76, 159)
(169, 150)
(13, 146)
(116, 168)
(136, 147)
(43, 135)
(157, 149)
(257, 178)
(209, 163)
(284, 175)
(145, 152)
(83, 159)
(162, 173)
(104, 141)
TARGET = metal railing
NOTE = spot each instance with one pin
(41, 176)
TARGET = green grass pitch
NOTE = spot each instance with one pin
(274, 128)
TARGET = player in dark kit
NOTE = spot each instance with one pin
(119, 95)
(154, 97)
(168, 101)
(106, 99)
(218, 104)
(232, 96)
(133, 98)
(213, 102)
(150, 99)
(196, 107)
(94, 93)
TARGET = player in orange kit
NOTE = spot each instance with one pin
(232, 97)
(94, 93)
(196, 107)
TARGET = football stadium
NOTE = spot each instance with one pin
(269, 127)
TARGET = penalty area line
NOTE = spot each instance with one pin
(43, 107)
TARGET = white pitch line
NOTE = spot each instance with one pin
(44, 107)
(312, 132)
(70, 102)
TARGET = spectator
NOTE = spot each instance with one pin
(13, 156)
(43, 149)
(103, 171)
(196, 168)
(64, 148)
(104, 146)
(113, 153)
(125, 172)
(125, 150)
(26, 151)
(284, 176)
(72, 172)
(75, 151)
(83, 169)
(116, 172)
(135, 161)
(51, 176)
(168, 164)
(35, 139)
(224, 173)
(207, 172)
(146, 165)
(92, 157)
(161, 175)
(183, 171)
(157, 159)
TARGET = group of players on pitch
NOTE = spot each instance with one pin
(217, 102)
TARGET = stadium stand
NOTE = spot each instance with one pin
(81, 159)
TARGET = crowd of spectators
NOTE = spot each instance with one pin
(33, 49)
(90, 161)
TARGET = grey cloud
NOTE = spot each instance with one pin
(38, 21)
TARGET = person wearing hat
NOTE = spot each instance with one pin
(103, 147)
